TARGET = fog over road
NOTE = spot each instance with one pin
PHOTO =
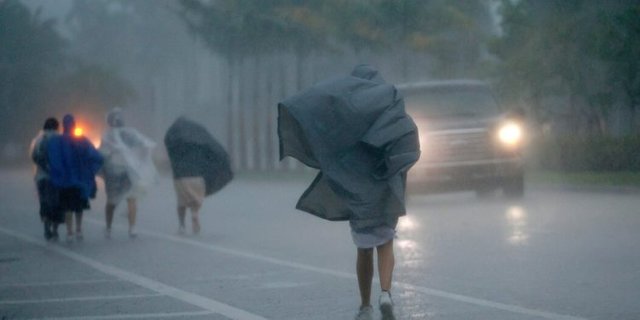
(556, 254)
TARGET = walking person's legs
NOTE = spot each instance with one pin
(195, 219)
(47, 229)
(108, 215)
(132, 210)
(386, 262)
(182, 212)
(78, 215)
(54, 231)
(364, 271)
(68, 221)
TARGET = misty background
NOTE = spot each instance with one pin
(572, 65)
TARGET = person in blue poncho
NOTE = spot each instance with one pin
(73, 162)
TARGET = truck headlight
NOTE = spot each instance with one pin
(510, 134)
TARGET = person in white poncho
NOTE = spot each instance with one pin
(128, 167)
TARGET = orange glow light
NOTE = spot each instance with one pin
(78, 132)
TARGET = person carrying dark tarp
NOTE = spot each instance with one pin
(200, 167)
(355, 131)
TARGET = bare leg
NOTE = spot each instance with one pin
(68, 221)
(79, 222)
(195, 220)
(182, 212)
(109, 210)
(364, 269)
(386, 262)
(132, 209)
(54, 231)
(47, 229)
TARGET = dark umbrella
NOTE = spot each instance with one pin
(355, 130)
(194, 152)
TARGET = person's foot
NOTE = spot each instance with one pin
(54, 237)
(47, 235)
(386, 305)
(132, 234)
(365, 313)
(79, 236)
(107, 233)
(69, 238)
(47, 231)
(181, 231)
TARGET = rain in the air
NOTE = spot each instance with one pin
(320, 160)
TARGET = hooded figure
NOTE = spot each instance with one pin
(73, 161)
(353, 129)
(128, 169)
(126, 152)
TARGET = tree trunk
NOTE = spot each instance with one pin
(242, 101)
(257, 106)
(269, 152)
(230, 112)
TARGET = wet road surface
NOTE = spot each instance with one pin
(555, 254)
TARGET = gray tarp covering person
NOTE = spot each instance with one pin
(200, 166)
(355, 131)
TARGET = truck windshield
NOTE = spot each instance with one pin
(451, 102)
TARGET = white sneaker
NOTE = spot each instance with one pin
(365, 313)
(386, 305)
(107, 233)
(132, 234)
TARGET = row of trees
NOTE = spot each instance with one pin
(40, 76)
(30, 52)
(451, 32)
(293, 34)
(579, 52)
(586, 51)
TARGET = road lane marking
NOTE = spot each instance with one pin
(56, 283)
(113, 297)
(347, 275)
(161, 288)
(136, 316)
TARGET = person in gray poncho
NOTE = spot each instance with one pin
(355, 131)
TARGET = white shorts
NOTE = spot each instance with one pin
(371, 238)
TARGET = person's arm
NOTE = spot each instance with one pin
(39, 154)
(94, 157)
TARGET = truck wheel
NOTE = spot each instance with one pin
(514, 187)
